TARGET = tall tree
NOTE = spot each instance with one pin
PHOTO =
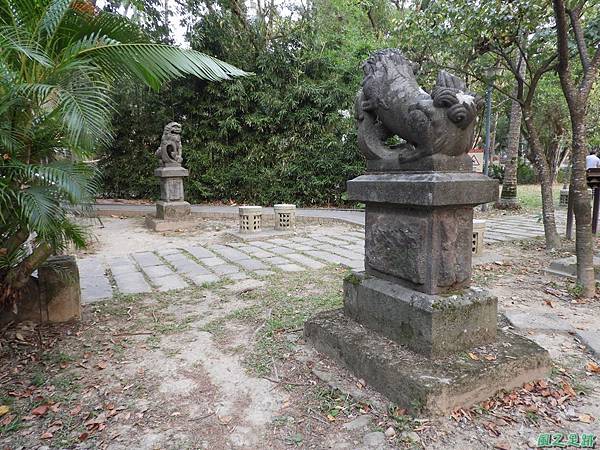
(570, 24)
(508, 198)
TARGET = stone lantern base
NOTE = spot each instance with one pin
(172, 212)
(410, 320)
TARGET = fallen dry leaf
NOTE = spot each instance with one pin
(75, 411)
(83, 436)
(40, 410)
(46, 435)
(549, 303)
(473, 356)
(7, 420)
(489, 357)
(502, 445)
(568, 389)
(592, 367)
(102, 365)
(586, 418)
(4, 410)
(225, 420)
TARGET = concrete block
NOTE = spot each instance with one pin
(414, 381)
(429, 324)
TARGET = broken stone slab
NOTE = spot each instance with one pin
(359, 423)
(428, 324)
(567, 267)
(537, 321)
(591, 339)
(416, 382)
(173, 224)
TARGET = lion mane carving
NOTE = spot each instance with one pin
(169, 151)
(391, 104)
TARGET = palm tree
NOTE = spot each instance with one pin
(59, 61)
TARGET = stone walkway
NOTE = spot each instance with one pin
(513, 228)
(498, 229)
(177, 268)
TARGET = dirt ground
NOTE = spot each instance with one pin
(226, 367)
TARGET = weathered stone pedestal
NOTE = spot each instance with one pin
(410, 318)
(54, 296)
(172, 211)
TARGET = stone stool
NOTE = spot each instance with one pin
(285, 216)
(478, 232)
(250, 219)
(564, 197)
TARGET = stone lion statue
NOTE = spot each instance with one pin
(169, 151)
(392, 106)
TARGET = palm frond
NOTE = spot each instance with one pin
(157, 63)
(54, 14)
(12, 39)
(38, 208)
(86, 109)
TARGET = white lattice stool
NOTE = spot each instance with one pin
(285, 216)
(478, 232)
(250, 219)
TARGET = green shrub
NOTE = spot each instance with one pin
(526, 173)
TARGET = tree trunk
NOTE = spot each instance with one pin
(508, 198)
(546, 177)
(509, 184)
(17, 277)
(584, 247)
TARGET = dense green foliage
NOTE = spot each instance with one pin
(285, 135)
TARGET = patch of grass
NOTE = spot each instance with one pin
(402, 421)
(39, 378)
(66, 386)
(530, 196)
(532, 417)
(334, 403)
(15, 425)
(170, 327)
(575, 290)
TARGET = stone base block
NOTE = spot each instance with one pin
(428, 324)
(259, 235)
(159, 225)
(416, 382)
(172, 210)
(567, 267)
(54, 296)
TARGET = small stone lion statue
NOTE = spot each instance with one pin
(169, 151)
(391, 105)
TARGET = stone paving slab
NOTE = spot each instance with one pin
(157, 271)
(251, 264)
(169, 282)
(199, 280)
(199, 252)
(94, 288)
(146, 259)
(229, 253)
(132, 283)
(591, 339)
(212, 262)
(281, 250)
(226, 269)
(536, 321)
(291, 268)
(305, 261)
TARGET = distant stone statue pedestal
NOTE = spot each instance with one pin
(172, 211)
(411, 317)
